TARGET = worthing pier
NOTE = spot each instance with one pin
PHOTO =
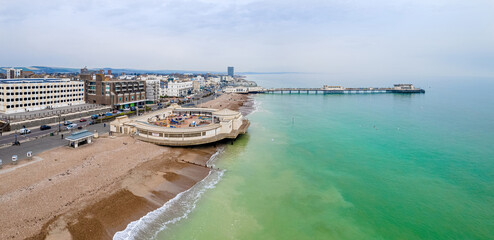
(398, 88)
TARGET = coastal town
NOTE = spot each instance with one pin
(77, 126)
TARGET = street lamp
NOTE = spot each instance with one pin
(59, 116)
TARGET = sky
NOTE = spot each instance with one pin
(341, 37)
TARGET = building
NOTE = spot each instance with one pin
(242, 89)
(327, 87)
(221, 124)
(118, 93)
(152, 90)
(231, 89)
(13, 73)
(196, 86)
(404, 87)
(30, 94)
(77, 138)
(178, 89)
(231, 71)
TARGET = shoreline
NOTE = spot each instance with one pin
(95, 191)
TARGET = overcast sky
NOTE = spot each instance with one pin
(366, 37)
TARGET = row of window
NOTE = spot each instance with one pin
(42, 103)
(40, 87)
(173, 135)
(37, 98)
(41, 92)
(131, 98)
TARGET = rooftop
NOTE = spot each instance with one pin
(79, 135)
(33, 80)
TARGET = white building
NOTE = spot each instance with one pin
(153, 90)
(231, 89)
(22, 95)
(178, 89)
(13, 73)
(127, 77)
(327, 87)
(214, 79)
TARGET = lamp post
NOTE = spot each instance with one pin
(59, 116)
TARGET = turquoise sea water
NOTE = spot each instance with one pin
(370, 166)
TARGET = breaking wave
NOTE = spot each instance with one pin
(174, 210)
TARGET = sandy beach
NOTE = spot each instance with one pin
(96, 190)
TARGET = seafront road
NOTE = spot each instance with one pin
(41, 144)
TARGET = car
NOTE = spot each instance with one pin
(126, 109)
(115, 111)
(82, 120)
(133, 108)
(91, 123)
(24, 131)
(66, 123)
(80, 127)
(71, 126)
(95, 116)
(108, 114)
(14, 158)
(44, 127)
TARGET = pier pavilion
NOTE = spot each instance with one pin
(173, 126)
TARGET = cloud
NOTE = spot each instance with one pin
(374, 37)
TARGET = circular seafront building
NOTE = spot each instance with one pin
(177, 126)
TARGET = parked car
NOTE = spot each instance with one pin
(82, 120)
(108, 114)
(14, 158)
(91, 123)
(80, 127)
(126, 109)
(95, 116)
(24, 131)
(115, 110)
(71, 126)
(44, 127)
(133, 108)
(66, 123)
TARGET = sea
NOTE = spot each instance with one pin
(347, 166)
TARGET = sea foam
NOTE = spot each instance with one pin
(174, 210)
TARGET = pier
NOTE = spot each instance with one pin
(398, 88)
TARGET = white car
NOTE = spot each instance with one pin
(24, 131)
(71, 126)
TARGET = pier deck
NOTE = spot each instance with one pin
(341, 91)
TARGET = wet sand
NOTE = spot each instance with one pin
(96, 190)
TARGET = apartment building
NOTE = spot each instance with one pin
(105, 90)
(30, 94)
(178, 89)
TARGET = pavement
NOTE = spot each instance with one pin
(43, 144)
